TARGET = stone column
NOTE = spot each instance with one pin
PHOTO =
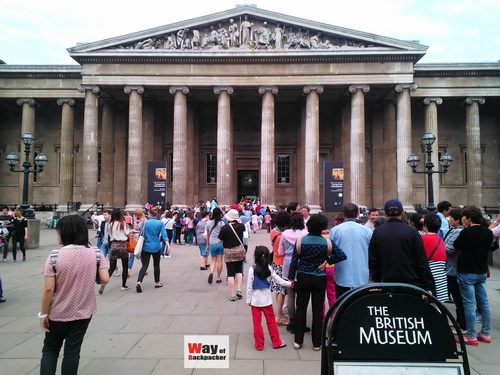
(90, 146)
(179, 185)
(346, 152)
(357, 172)
(66, 158)
(311, 148)
(107, 155)
(473, 139)
(390, 186)
(148, 147)
(403, 125)
(27, 126)
(134, 161)
(267, 156)
(225, 193)
(120, 168)
(431, 126)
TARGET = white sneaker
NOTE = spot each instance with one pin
(296, 346)
(167, 256)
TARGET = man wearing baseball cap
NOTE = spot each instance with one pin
(396, 251)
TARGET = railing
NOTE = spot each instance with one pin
(95, 207)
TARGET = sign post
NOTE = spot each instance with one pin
(390, 329)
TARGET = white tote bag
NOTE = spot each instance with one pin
(140, 243)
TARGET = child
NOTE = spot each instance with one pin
(259, 297)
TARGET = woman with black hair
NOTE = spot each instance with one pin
(68, 299)
(435, 251)
(118, 235)
(259, 298)
(216, 248)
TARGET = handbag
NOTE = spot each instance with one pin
(234, 254)
(131, 243)
(140, 243)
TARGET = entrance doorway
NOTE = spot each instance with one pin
(248, 184)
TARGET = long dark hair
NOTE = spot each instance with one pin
(261, 255)
(216, 215)
(117, 215)
(73, 231)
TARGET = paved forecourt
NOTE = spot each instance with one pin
(144, 333)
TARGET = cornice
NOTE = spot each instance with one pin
(41, 71)
(457, 70)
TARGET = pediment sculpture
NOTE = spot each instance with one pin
(246, 34)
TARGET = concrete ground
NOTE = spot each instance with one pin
(144, 333)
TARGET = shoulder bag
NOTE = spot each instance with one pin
(140, 242)
(237, 253)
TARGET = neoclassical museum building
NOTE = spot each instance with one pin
(249, 102)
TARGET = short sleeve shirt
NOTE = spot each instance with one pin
(74, 296)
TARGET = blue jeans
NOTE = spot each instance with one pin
(71, 333)
(131, 261)
(105, 249)
(473, 289)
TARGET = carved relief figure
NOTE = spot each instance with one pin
(246, 27)
(291, 39)
(315, 43)
(146, 44)
(195, 41)
(264, 35)
(234, 33)
(222, 36)
(181, 35)
(302, 41)
(214, 36)
(278, 37)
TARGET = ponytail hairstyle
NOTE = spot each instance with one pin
(117, 216)
(261, 255)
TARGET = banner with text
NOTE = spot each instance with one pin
(334, 186)
(157, 183)
(206, 351)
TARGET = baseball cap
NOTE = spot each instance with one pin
(393, 207)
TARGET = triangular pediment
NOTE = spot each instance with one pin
(245, 31)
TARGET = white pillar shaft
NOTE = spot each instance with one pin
(90, 149)
(431, 126)
(107, 156)
(473, 138)
(224, 149)
(179, 185)
(390, 186)
(66, 171)
(267, 159)
(134, 161)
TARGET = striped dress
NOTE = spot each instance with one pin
(437, 264)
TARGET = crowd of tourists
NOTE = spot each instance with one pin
(444, 253)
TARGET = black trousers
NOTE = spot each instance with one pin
(21, 246)
(309, 286)
(72, 334)
(457, 298)
(145, 258)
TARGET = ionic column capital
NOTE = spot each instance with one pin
(471, 100)
(273, 89)
(66, 101)
(401, 87)
(83, 88)
(29, 101)
(354, 88)
(129, 89)
(428, 101)
(228, 89)
(174, 89)
(318, 89)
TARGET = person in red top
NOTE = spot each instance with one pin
(282, 221)
(435, 250)
(68, 299)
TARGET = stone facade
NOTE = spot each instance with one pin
(252, 111)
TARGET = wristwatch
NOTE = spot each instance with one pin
(42, 316)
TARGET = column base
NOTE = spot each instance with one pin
(409, 209)
(179, 206)
(133, 207)
(314, 208)
(272, 207)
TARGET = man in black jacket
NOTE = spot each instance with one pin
(396, 252)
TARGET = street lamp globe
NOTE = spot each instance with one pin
(446, 161)
(28, 139)
(428, 139)
(12, 160)
(41, 160)
(413, 161)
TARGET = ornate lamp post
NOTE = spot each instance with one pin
(40, 162)
(414, 160)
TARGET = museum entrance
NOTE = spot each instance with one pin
(248, 184)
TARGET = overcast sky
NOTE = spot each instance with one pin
(39, 32)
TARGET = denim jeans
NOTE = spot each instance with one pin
(72, 333)
(131, 261)
(473, 289)
(105, 249)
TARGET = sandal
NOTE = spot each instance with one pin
(238, 294)
(158, 286)
(232, 298)
(281, 345)
(218, 281)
